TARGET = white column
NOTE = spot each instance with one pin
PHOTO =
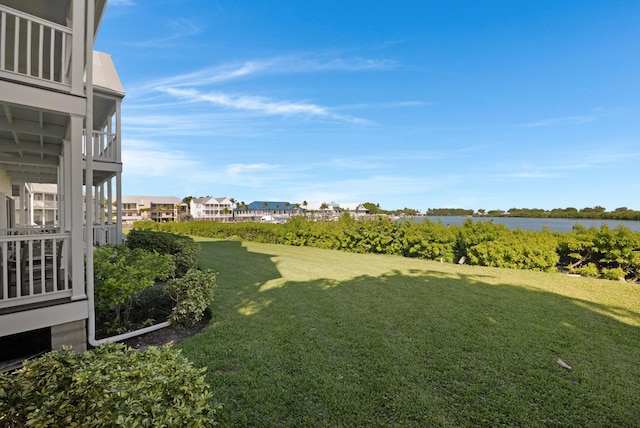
(74, 205)
(77, 46)
(119, 236)
(64, 190)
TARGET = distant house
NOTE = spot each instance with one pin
(322, 210)
(274, 211)
(212, 209)
(355, 209)
(333, 210)
(160, 209)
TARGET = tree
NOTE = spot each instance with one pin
(373, 208)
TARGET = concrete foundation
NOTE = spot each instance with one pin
(72, 334)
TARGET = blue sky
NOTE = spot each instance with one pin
(420, 104)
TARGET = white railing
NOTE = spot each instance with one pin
(104, 146)
(45, 204)
(34, 50)
(105, 234)
(34, 266)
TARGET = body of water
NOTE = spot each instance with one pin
(553, 224)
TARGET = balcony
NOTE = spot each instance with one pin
(34, 266)
(103, 145)
(35, 51)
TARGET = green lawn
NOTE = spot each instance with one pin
(311, 337)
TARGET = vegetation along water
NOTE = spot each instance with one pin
(598, 252)
(553, 224)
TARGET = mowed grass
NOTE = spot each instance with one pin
(310, 337)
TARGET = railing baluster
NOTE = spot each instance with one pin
(43, 265)
(30, 256)
(16, 46)
(63, 62)
(5, 271)
(40, 50)
(51, 56)
(28, 69)
(3, 39)
(18, 251)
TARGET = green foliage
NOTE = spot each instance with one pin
(590, 269)
(481, 242)
(433, 241)
(597, 212)
(612, 252)
(121, 273)
(193, 293)
(517, 250)
(182, 248)
(146, 225)
(112, 385)
(613, 273)
(461, 212)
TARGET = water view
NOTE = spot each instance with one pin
(553, 224)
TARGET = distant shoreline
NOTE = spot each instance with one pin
(529, 223)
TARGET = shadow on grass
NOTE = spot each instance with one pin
(410, 348)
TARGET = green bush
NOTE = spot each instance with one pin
(183, 249)
(613, 273)
(112, 385)
(192, 293)
(590, 269)
(120, 274)
(153, 303)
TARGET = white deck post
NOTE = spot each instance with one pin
(77, 47)
(74, 202)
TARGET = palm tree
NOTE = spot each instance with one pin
(323, 208)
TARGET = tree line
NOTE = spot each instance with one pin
(596, 252)
(597, 212)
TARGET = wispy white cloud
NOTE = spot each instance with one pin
(571, 120)
(212, 75)
(258, 104)
(292, 64)
(148, 159)
(180, 29)
(366, 189)
(387, 105)
(594, 114)
(526, 175)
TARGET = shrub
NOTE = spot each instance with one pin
(153, 303)
(613, 273)
(112, 385)
(183, 249)
(192, 293)
(590, 269)
(121, 274)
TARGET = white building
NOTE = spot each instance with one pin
(157, 208)
(59, 125)
(333, 210)
(212, 209)
(39, 207)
